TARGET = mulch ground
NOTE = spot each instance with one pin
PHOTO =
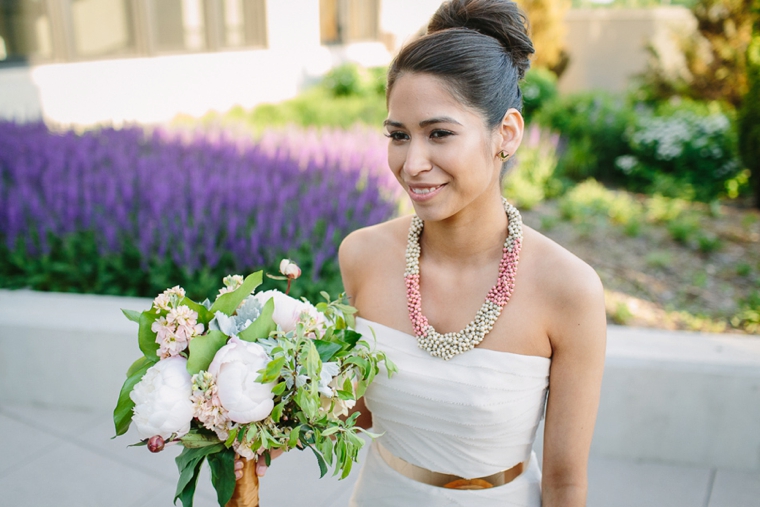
(653, 281)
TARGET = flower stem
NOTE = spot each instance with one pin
(287, 290)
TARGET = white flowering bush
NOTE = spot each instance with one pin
(684, 153)
(246, 374)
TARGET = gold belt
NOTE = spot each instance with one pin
(431, 478)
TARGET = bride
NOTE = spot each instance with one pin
(477, 339)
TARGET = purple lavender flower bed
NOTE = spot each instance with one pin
(131, 212)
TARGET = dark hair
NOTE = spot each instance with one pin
(480, 48)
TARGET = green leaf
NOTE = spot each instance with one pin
(262, 326)
(348, 386)
(277, 412)
(390, 366)
(313, 363)
(188, 455)
(361, 387)
(326, 349)
(321, 461)
(132, 315)
(145, 336)
(295, 433)
(279, 388)
(345, 395)
(229, 302)
(360, 362)
(194, 440)
(326, 448)
(203, 349)
(250, 435)
(369, 433)
(140, 363)
(231, 437)
(351, 337)
(189, 464)
(347, 468)
(222, 465)
(122, 414)
(272, 371)
(188, 480)
(330, 431)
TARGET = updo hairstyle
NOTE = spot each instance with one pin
(479, 48)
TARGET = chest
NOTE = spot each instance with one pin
(450, 300)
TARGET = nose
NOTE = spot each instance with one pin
(417, 159)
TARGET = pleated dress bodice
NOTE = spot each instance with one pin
(471, 416)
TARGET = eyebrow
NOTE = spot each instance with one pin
(423, 123)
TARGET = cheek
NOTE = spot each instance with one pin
(396, 157)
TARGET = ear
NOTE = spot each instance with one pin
(508, 134)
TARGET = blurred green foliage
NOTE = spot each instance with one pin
(749, 113)
(347, 95)
(592, 126)
(715, 57)
(531, 179)
(538, 88)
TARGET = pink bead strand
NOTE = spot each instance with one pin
(451, 344)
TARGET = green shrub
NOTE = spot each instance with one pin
(592, 126)
(683, 229)
(659, 259)
(344, 80)
(749, 113)
(347, 95)
(532, 180)
(709, 243)
(538, 88)
(748, 316)
(590, 200)
(687, 151)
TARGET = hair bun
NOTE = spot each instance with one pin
(500, 19)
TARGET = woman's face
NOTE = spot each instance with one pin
(441, 151)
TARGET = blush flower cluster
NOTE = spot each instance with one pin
(175, 330)
(207, 407)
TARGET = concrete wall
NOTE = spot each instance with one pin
(679, 398)
(607, 46)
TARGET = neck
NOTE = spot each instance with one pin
(473, 236)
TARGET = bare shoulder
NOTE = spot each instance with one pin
(370, 247)
(571, 289)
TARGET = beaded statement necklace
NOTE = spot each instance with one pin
(448, 345)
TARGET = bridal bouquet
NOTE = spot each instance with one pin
(246, 374)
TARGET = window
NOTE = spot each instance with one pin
(344, 21)
(70, 30)
(177, 25)
(102, 28)
(25, 30)
(242, 23)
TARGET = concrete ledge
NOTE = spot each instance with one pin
(672, 397)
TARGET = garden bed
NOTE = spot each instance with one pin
(697, 271)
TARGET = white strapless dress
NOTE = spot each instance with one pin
(471, 416)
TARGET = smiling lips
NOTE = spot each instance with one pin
(420, 192)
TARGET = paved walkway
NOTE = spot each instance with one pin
(66, 459)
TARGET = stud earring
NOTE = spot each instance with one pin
(503, 155)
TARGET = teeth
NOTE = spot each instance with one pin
(423, 191)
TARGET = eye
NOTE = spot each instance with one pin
(397, 135)
(440, 134)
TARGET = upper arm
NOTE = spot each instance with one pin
(578, 331)
(349, 258)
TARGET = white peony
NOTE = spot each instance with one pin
(288, 310)
(162, 399)
(236, 367)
